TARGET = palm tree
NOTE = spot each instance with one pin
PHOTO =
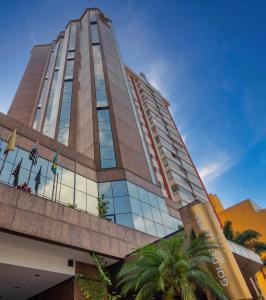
(171, 269)
(248, 238)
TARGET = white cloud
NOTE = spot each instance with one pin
(216, 167)
(157, 74)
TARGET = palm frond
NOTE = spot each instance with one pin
(228, 230)
(246, 236)
(206, 280)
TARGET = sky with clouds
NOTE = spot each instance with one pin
(207, 57)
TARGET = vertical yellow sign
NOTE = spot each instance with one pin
(200, 217)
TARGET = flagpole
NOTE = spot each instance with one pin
(29, 174)
(53, 186)
(2, 167)
(56, 185)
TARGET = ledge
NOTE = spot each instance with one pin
(38, 218)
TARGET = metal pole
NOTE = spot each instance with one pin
(56, 186)
(53, 187)
(29, 174)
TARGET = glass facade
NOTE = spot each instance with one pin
(107, 153)
(64, 120)
(69, 188)
(66, 102)
(45, 88)
(129, 204)
(135, 207)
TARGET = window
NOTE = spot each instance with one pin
(150, 227)
(94, 34)
(122, 205)
(105, 190)
(107, 152)
(69, 69)
(64, 121)
(72, 38)
(119, 188)
(66, 185)
(93, 16)
(135, 206)
(50, 120)
(146, 210)
(139, 223)
(81, 200)
(125, 219)
(81, 183)
(143, 195)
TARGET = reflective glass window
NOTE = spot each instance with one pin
(92, 205)
(101, 98)
(105, 189)
(143, 195)
(66, 194)
(106, 139)
(160, 229)
(153, 200)
(93, 16)
(119, 188)
(81, 183)
(71, 55)
(166, 219)
(26, 163)
(41, 163)
(135, 206)
(146, 210)
(6, 172)
(108, 163)
(122, 205)
(150, 227)
(23, 176)
(107, 153)
(161, 204)
(92, 188)
(40, 190)
(103, 115)
(94, 34)
(81, 200)
(125, 220)
(72, 39)
(132, 190)
(12, 155)
(69, 68)
(67, 177)
(111, 209)
(50, 174)
(48, 189)
(156, 215)
(139, 223)
(104, 126)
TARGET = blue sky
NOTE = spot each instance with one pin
(207, 57)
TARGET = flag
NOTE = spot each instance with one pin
(16, 173)
(33, 156)
(54, 165)
(11, 143)
(38, 179)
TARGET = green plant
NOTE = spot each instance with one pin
(248, 238)
(71, 205)
(91, 288)
(96, 288)
(228, 230)
(170, 269)
(103, 206)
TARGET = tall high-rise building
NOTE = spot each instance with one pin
(116, 142)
